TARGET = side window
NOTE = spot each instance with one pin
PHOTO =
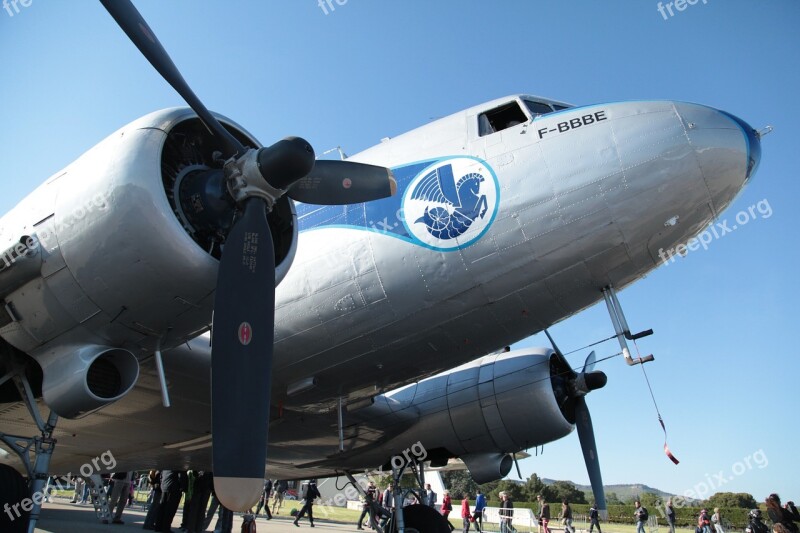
(560, 107)
(500, 118)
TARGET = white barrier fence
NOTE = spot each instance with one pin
(522, 516)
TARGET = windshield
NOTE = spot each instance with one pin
(537, 108)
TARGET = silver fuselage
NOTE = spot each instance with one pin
(570, 202)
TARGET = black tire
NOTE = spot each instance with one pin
(13, 489)
(424, 519)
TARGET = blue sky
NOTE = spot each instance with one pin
(726, 372)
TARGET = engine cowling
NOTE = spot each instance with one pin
(481, 411)
(141, 209)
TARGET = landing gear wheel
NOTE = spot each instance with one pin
(424, 519)
(13, 490)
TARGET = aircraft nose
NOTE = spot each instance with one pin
(726, 148)
(753, 144)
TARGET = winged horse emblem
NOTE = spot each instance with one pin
(462, 202)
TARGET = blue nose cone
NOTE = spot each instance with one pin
(753, 144)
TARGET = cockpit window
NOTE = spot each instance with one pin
(560, 107)
(500, 118)
(538, 108)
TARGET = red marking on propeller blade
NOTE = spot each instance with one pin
(245, 333)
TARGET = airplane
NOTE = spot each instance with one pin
(380, 274)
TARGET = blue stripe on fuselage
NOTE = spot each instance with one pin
(382, 216)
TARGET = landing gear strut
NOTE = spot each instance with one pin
(40, 447)
(411, 519)
(621, 328)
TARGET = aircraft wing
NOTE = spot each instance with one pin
(480, 412)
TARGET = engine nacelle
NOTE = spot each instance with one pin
(82, 380)
(486, 467)
(481, 411)
(128, 239)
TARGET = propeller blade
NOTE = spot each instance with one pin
(583, 422)
(241, 359)
(588, 366)
(571, 374)
(130, 20)
(343, 182)
(553, 344)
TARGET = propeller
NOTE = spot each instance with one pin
(573, 388)
(244, 308)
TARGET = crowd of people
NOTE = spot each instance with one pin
(168, 487)
(783, 517)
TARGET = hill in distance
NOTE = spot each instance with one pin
(623, 492)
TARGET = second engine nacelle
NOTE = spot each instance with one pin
(481, 411)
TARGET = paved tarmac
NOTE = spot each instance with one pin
(63, 517)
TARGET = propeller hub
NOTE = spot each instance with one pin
(244, 180)
(595, 380)
(267, 173)
(286, 162)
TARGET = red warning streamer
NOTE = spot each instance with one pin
(660, 420)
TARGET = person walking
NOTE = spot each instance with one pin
(173, 482)
(717, 520)
(76, 496)
(594, 519)
(280, 487)
(264, 500)
(387, 503)
(506, 513)
(704, 521)
(366, 509)
(544, 513)
(121, 486)
(196, 512)
(477, 515)
(640, 515)
(783, 519)
(754, 524)
(312, 493)
(670, 510)
(154, 480)
(447, 506)
(465, 514)
(429, 496)
(566, 517)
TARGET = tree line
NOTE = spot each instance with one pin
(734, 506)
